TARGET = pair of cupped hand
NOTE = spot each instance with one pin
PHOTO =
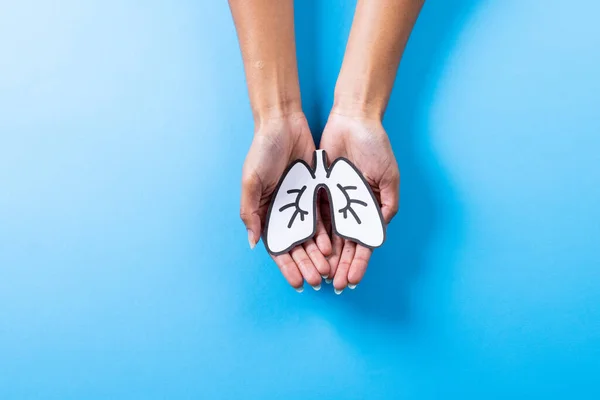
(282, 140)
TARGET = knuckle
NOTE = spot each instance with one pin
(245, 216)
(304, 263)
(249, 180)
(313, 252)
(343, 265)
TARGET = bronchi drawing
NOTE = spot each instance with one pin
(302, 213)
(295, 204)
(344, 211)
(291, 218)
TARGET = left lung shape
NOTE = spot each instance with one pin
(291, 217)
(356, 214)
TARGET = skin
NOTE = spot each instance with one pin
(281, 135)
(354, 129)
(379, 34)
(365, 143)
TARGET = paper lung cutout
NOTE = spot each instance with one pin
(291, 218)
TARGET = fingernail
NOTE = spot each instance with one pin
(324, 276)
(338, 292)
(328, 280)
(299, 289)
(318, 287)
(251, 241)
(352, 286)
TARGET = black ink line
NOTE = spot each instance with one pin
(349, 203)
(295, 204)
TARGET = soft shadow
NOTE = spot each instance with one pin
(386, 292)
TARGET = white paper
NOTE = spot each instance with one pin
(291, 219)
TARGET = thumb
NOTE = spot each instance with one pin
(249, 207)
(390, 195)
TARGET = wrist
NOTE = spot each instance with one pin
(278, 108)
(274, 89)
(359, 94)
(280, 119)
(358, 104)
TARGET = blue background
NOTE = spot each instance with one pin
(125, 272)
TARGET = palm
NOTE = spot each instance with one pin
(276, 144)
(365, 143)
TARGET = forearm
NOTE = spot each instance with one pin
(379, 34)
(265, 30)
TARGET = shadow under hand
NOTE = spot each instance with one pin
(385, 294)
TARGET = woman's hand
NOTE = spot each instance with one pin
(278, 141)
(363, 141)
(379, 33)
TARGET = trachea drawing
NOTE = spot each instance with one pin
(291, 219)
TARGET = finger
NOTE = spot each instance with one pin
(290, 271)
(306, 267)
(249, 206)
(325, 213)
(357, 270)
(317, 258)
(390, 194)
(334, 259)
(322, 237)
(340, 281)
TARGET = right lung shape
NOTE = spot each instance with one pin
(291, 219)
(356, 214)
